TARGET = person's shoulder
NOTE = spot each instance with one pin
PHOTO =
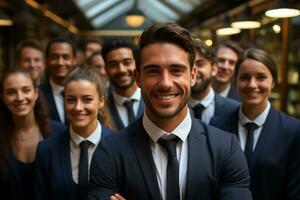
(217, 138)
(106, 131)
(52, 142)
(56, 127)
(45, 85)
(122, 137)
(220, 120)
(227, 100)
(287, 122)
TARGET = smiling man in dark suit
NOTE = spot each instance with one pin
(167, 154)
(124, 99)
(60, 61)
(204, 102)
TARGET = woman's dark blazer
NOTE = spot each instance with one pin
(11, 183)
(53, 172)
(275, 162)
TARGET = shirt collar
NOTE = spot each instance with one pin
(259, 120)
(121, 99)
(206, 101)
(181, 131)
(225, 92)
(56, 88)
(94, 138)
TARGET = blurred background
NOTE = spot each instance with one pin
(210, 20)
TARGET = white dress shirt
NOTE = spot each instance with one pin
(75, 141)
(119, 102)
(59, 99)
(259, 120)
(160, 156)
(208, 102)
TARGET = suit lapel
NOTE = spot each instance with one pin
(141, 109)
(196, 148)
(114, 112)
(51, 102)
(65, 164)
(140, 141)
(270, 124)
(232, 123)
(218, 105)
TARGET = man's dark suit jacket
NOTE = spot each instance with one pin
(222, 105)
(275, 163)
(216, 169)
(233, 94)
(53, 177)
(11, 186)
(115, 114)
(48, 97)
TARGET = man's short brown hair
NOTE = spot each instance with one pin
(168, 33)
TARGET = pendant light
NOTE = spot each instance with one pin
(135, 17)
(283, 9)
(227, 29)
(246, 21)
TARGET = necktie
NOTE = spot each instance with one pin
(251, 127)
(198, 109)
(83, 170)
(172, 168)
(129, 106)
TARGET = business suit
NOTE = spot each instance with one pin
(54, 178)
(275, 162)
(12, 186)
(115, 114)
(48, 97)
(124, 164)
(233, 93)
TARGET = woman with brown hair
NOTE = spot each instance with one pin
(270, 139)
(23, 124)
(63, 162)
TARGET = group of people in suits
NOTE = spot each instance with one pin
(164, 99)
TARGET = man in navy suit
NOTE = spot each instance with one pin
(124, 100)
(60, 60)
(167, 154)
(227, 54)
(204, 102)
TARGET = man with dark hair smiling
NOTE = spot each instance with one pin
(60, 60)
(204, 102)
(167, 154)
(124, 100)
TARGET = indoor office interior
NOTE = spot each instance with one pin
(211, 21)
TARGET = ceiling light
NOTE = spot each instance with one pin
(283, 9)
(135, 18)
(4, 19)
(246, 24)
(246, 21)
(227, 29)
(282, 12)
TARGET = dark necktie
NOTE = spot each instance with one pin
(251, 127)
(172, 168)
(129, 106)
(83, 171)
(198, 109)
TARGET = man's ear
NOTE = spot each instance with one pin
(214, 69)
(193, 76)
(137, 76)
